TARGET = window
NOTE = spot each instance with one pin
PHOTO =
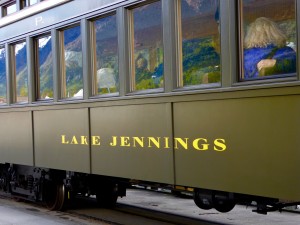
(25, 3)
(21, 73)
(200, 42)
(2, 75)
(268, 39)
(106, 52)
(10, 8)
(44, 67)
(72, 75)
(148, 47)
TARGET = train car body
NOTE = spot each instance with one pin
(230, 141)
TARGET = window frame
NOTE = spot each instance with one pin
(6, 76)
(37, 67)
(14, 72)
(93, 44)
(4, 8)
(62, 65)
(132, 78)
(277, 78)
(179, 81)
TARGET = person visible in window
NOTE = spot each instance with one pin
(266, 52)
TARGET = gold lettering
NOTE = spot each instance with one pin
(125, 142)
(200, 144)
(183, 143)
(114, 141)
(153, 141)
(138, 140)
(166, 142)
(95, 140)
(84, 140)
(220, 145)
(203, 146)
(74, 141)
(63, 139)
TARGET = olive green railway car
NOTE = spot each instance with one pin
(98, 95)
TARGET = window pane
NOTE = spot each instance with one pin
(45, 68)
(200, 42)
(32, 2)
(2, 75)
(148, 47)
(72, 82)
(107, 79)
(21, 76)
(11, 9)
(269, 39)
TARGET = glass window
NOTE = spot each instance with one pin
(25, 3)
(44, 67)
(21, 72)
(148, 47)
(107, 70)
(32, 2)
(72, 79)
(9, 9)
(200, 42)
(268, 32)
(2, 75)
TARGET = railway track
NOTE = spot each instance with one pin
(126, 214)
(86, 211)
(149, 208)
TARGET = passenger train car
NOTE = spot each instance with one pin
(196, 94)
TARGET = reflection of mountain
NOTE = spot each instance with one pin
(73, 58)
(148, 32)
(2, 73)
(198, 6)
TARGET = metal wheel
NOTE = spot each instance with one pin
(225, 206)
(54, 196)
(225, 203)
(203, 199)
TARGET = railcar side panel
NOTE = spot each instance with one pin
(16, 138)
(135, 142)
(261, 138)
(61, 139)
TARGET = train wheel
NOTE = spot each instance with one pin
(107, 195)
(224, 203)
(224, 206)
(54, 196)
(203, 199)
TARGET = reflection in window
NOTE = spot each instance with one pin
(44, 67)
(2, 75)
(107, 73)
(21, 72)
(148, 47)
(200, 42)
(269, 39)
(72, 83)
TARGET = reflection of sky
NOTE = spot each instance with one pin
(147, 16)
(2, 52)
(43, 41)
(19, 47)
(191, 9)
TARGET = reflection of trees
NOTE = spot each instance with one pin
(149, 76)
(22, 82)
(201, 62)
(73, 78)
